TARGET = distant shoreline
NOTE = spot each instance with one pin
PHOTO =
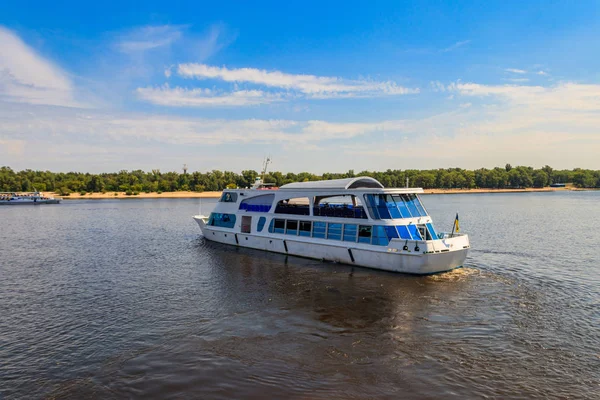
(215, 195)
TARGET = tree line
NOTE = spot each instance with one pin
(133, 182)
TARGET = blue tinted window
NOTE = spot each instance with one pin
(364, 234)
(432, 231)
(402, 206)
(372, 206)
(334, 231)
(411, 205)
(222, 220)
(418, 205)
(382, 207)
(305, 227)
(403, 231)
(350, 232)
(261, 224)
(279, 225)
(414, 232)
(319, 229)
(291, 227)
(391, 232)
(391, 205)
(379, 236)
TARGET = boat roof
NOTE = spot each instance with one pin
(361, 182)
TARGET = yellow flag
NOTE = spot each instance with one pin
(456, 225)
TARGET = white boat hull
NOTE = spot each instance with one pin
(392, 258)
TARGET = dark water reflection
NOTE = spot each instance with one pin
(124, 298)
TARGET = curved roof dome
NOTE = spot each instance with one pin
(361, 182)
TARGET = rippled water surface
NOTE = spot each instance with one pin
(124, 298)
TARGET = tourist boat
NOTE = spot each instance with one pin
(13, 198)
(354, 221)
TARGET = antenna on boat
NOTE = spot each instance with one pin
(265, 166)
(259, 181)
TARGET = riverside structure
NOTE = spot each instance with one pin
(354, 221)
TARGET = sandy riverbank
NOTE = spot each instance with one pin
(212, 195)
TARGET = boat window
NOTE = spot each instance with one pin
(432, 231)
(377, 205)
(339, 206)
(350, 231)
(258, 203)
(402, 207)
(424, 232)
(334, 231)
(291, 227)
(372, 206)
(382, 206)
(403, 231)
(385, 206)
(379, 236)
(228, 197)
(261, 224)
(391, 232)
(409, 199)
(414, 232)
(295, 206)
(305, 227)
(419, 205)
(277, 226)
(364, 234)
(392, 207)
(222, 220)
(319, 229)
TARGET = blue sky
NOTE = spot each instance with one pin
(320, 86)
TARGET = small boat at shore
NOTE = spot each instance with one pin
(354, 221)
(35, 198)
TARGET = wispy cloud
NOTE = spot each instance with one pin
(518, 80)
(515, 70)
(552, 125)
(564, 96)
(437, 86)
(309, 85)
(148, 38)
(27, 77)
(542, 73)
(455, 46)
(181, 97)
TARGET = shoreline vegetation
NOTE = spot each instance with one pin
(157, 184)
(217, 194)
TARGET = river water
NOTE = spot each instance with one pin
(125, 299)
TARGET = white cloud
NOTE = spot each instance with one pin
(516, 71)
(181, 97)
(542, 73)
(310, 85)
(564, 96)
(455, 46)
(437, 86)
(518, 80)
(149, 37)
(530, 125)
(26, 77)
